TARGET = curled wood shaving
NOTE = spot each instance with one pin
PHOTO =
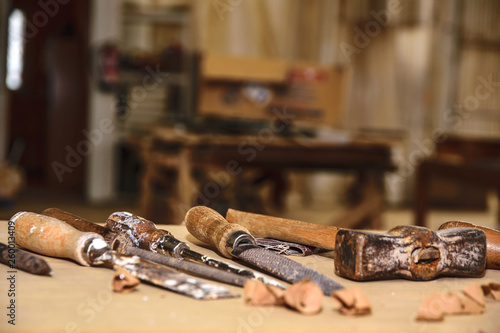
(257, 293)
(469, 306)
(451, 303)
(491, 290)
(305, 297)
(474, 291)
(468, 301)
(432, 308)
(352, 302)
(123, 281)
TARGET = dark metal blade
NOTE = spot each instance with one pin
(211, 262)
(203, 271)
(168, 278)
(284, 268)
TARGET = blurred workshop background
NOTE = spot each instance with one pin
(358, 113)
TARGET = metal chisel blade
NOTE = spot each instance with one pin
(172, 280)
(211, 262)
(284, 268)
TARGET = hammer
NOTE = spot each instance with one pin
(492, 241)
(410, 252)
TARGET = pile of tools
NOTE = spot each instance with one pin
(134, 246)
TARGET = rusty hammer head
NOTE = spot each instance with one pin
(410, 252)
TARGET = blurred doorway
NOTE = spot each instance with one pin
(48, 109)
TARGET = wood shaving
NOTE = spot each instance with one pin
(257, 293)
(469, 305)
(491, 290)
(432, 308)
(305, 297)
(123, 281)
(451, 303)
(468, 301)
(474, 291)
(352, 302)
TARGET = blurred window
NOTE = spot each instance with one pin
(15, 50)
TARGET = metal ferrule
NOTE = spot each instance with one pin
(96, 251)
(237, 239)
(172, 246)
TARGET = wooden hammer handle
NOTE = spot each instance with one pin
(492, 241)
(263, 226)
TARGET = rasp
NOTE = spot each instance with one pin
(52, 237)
(144, 234)
(123, 244)
(233, 240)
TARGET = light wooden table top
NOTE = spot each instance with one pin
(79, 299)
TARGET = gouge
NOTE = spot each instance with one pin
(492, 241)
(233, 240)
(158, 245)
(52, 237)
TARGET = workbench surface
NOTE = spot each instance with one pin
(80, 299)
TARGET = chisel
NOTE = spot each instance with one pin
(144, 234)
(122, 243)
(50, 236)
(233, 240)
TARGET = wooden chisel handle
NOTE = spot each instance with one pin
(75, 221)
(52, 237)
(492, 241)
(210, 227)
(263, 226)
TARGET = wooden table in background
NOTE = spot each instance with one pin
(79, 299)
(184, 152)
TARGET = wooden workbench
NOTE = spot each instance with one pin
(77, 298)
(227, 157)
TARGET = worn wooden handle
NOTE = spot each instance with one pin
(143, 233)
(74, 221)
(284, 229)
(52, 237)
(210, 227)
(492, 241)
